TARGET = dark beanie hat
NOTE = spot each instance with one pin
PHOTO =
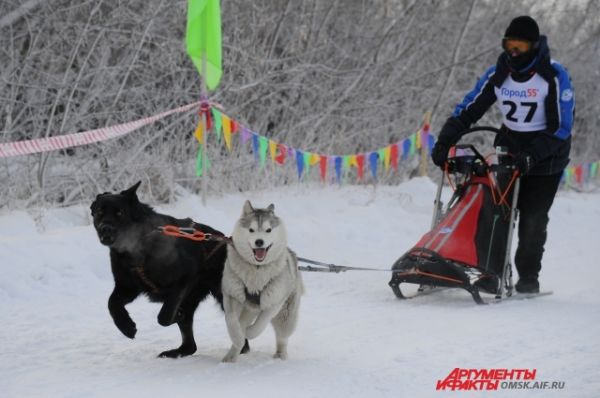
(523, 27)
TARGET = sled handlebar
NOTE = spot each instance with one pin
(495, 130)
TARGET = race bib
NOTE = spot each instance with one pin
(522, 104)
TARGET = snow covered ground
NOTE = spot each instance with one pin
(354, 339)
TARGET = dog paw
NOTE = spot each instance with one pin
(281, 355)
(232, 355)
(165, 319)
(128, 328)
(178, 352)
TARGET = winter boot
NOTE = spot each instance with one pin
(528, 284)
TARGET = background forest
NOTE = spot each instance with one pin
(330, 76)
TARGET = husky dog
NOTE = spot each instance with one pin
(261, 282)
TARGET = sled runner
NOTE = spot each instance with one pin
(469, 245)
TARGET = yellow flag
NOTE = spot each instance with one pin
(273, 149)
(226, 125)
(314, 159)
(386, 157)
(199, 132)
(352, 162)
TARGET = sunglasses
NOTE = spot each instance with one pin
(516, 46)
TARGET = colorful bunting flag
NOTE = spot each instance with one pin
(246, 134)
(406, 148)
(306, 157)
(394, 156)
(263, 144)
(255, 146)
(226, 124)
(280, 158)
(386, 157)
(373, 163)
(273, 150)
(360, 165)
(431, 140)
(199, 169)
(323, 160)
(218, 119)
(199, 132)
(299, 163)
(338, 164)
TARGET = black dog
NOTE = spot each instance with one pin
(175, 271)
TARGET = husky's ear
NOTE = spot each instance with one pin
(248, 209)
(131, 191)
(271, 208)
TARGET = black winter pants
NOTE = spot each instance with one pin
(535, 199)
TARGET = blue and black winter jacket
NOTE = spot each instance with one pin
(538, 108)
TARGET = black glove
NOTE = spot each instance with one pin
(439, 153)
(524, 162)
(449, 134)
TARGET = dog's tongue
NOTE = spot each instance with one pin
(260, 254)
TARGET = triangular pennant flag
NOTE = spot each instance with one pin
(579, 174)
(273, 149)
(381, 153)
(346, 163)
(323, 160)
(307, 156)
(338, 164)
(280, 158)
(218, 119)
(255, 145)
(418, 140)
(352, 161)
(199, 168)
(314, 159)
(425, 138)
(386, 157)
(394, 156)
(299, 163)
(360, 166)
(594, 170)
(264, 146)
(430, 143)
(235, 126)
(412, 144)
(246, 134)
(405, 148)
(199, 132)
(227, 132)
(373, 162)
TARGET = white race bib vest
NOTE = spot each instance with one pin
(522, 104)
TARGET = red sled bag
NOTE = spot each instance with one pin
(469, 244)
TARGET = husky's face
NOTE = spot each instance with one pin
(259, 235)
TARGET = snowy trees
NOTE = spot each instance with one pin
(329, 76)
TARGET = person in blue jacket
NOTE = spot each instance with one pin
(535, 96)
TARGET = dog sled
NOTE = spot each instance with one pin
(469, 244)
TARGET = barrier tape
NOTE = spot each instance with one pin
(38, 145)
